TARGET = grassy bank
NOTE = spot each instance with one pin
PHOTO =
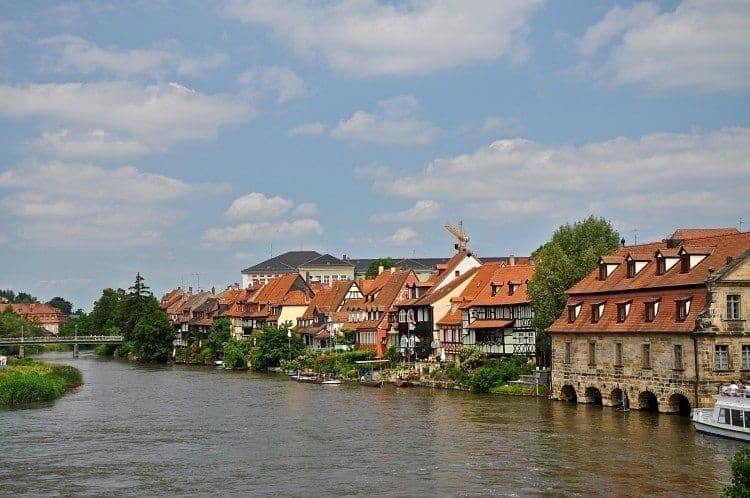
(27, 381)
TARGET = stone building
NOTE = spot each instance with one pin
(657, 326)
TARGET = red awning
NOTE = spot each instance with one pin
(490, 324)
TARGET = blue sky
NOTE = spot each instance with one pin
(189, 140)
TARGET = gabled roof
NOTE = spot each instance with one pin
(277, 289)
(434, 295)
(502, 277)
(329, 299)
(325, 260)
(289, 262)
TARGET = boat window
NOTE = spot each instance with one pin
(723, 416)
(737, 419)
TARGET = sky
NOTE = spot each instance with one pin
(188, 140)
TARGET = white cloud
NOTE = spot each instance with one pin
(154, 116)
(308, 129)
(93, 144)
(255, 206)
(67, 53)
(394, 123)
(369, 37)
(405, 236)
(700, 46)
(423, 210)
(92, 207)
(278, 80)
(263, 231)
(651, 177)
(306, 210)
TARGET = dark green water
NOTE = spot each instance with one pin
(135, 430)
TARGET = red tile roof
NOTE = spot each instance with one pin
(647, 286)
(490, 324)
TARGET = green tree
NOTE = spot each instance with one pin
(152, 336)
(740, 465)
(271, 345)
(105, 312)
(137, 302)
(374, 268)
(61, 304)
(570, 255)
(220, 333)
(237, 353)
(25, 297)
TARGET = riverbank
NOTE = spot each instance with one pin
(29, 381)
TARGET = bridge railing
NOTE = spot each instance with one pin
(81, 339)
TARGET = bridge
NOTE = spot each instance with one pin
(54, 339)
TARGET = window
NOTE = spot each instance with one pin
(661, 265)
(602, 272)
(512, 289)
(596, 312)
(733, 307)
(571, 314)
(622, 312)
(618, 354)
(651, 308)
(683, 307)
(592, 354)
(566, 359)
(745, 357)
(631, 268)
(678, 357)
(684, 263)
(646, 356)
(721, 357)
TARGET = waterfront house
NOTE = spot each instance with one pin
(321, 322)
(374, 315)
(49, 317)
(418, 335)
(498, 319)
(657, 326)
(280, 302)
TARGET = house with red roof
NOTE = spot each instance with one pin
(45, 315)
(374, 315)
(657, 326)
(320, 324)
(493, 313)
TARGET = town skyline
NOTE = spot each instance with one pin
(187, 143)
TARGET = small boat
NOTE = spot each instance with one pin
(218, 363)
(730, 416)
(292, 373)
(310, 379)
(370, 383)
(331, 382)
(402, 383)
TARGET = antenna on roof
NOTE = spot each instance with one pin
(459, 234)
(635, 236)
(741, 222)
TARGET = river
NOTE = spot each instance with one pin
(146, 430)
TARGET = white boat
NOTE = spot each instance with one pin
(730, 417)
(331, 382)
(218, 363)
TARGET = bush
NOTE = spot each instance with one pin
(484, 378)
(28, 381)
(740, 486)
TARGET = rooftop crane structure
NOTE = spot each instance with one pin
(460, 235)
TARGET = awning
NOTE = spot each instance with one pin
(490, 324)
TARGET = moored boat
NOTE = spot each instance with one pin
(331, 382)
(370, 383)
(730, 417)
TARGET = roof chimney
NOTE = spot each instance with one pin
(393, 269)
(512, 260)
(380, 269)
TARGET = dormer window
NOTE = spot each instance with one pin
(607, 265)
(597, 310)
(602, 271)
(512, 288)
(651, 309)
(631, 268)
(494, 288)
(623, 309)
(661, 265)
(683, 308)
(691, 257)
(573, 311)
(684, 263)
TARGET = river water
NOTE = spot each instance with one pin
(141, 430)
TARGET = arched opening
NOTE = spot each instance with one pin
(647, 401)
(593, 395)
(568, 394)
(679, 404)
(619, 399)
